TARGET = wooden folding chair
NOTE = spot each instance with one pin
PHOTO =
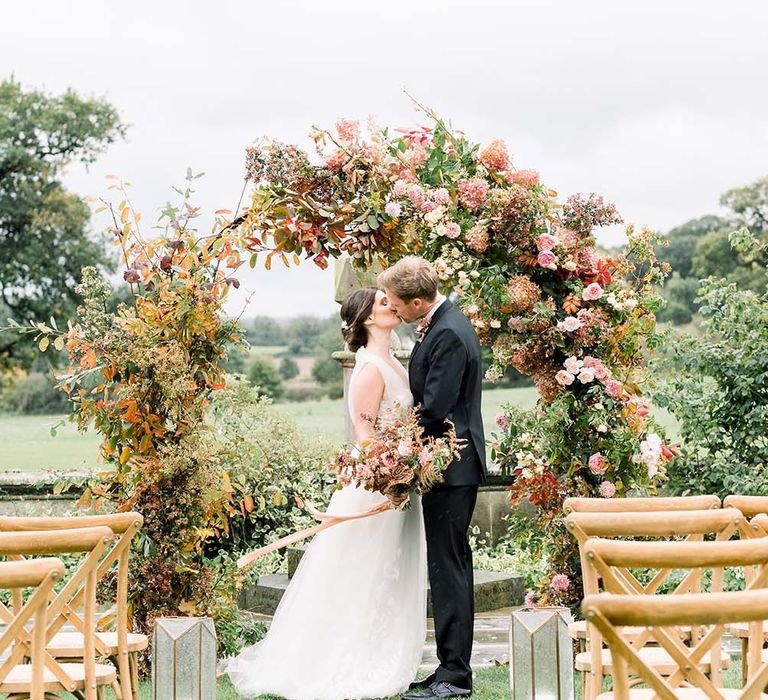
(578, 628)
(596, 662)
(121, 646)
(749, 505)
(661, 615)
(88, 678)
(27, 680)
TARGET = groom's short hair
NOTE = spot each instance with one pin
(411, 278)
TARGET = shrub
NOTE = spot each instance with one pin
(716, 385)
(288, 368)
(34, 394)
(263, 374)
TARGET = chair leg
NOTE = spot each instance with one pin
(133, 665)
(116, 690)
(125, 677)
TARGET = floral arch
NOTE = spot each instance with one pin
(527, 272)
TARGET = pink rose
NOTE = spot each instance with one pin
(569, 324)
(607, 489)
(442, 195)
(452, 230)
(546, 242)
(559, 583)
(597, 463)
(564, 378)
(613, 388)
(425, 456)
(592, 292)
(546, 258)
(573, 364)
(389, 460)
(586, 375)
(501, 420)
(529, 602)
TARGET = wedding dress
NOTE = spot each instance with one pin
(352, 622)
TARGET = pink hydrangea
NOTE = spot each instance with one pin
(452, 230)
(495, 156)
(442, 196)
(526, 178)
(393, 209)
(472, 192)
(546, 258)
(501, 420)
(564, 378)
(607, 489)
(592, 292)
(348, 130)
(335, 161)
(400, 188)
(427, 206)
(546, 241)
(416, 156)
(559, 583)
(597, 464)
(416, 195)
(529, 601)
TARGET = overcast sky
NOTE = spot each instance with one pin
(659, 106)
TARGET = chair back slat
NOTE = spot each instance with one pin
(749, 505)
(639, 505)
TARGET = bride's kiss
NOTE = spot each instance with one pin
(352, 623)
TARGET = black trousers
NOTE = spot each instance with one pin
(447, 514)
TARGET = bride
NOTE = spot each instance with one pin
(352, 622)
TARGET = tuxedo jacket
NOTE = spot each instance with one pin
(446, 375)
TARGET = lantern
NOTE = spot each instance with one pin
(184, 659)
(540, 654)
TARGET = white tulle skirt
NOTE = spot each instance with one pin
(352, 622)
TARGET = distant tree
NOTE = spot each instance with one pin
(265, 330)
(263, 374)
(680, 294)
(750, 204)
(683, 240)
(326, 371)
(303, 332)
(43, 227)
(288, 368)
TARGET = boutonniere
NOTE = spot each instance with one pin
(422, 328)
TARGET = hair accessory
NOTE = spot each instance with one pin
(344, 326)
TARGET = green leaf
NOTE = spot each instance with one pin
(373, 222)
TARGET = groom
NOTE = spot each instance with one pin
(445, 374)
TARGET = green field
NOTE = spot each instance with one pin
(27, 445)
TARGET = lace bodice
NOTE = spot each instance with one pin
(397, 394)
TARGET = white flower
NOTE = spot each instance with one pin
(573, 364)
(393, 209)
(630, 303)
(495, 323)
(586, 375)
(472, 309)
(434, 216)
(564, 378)
(569, 324)
(474, 274)
(602, 428)
(570, 266)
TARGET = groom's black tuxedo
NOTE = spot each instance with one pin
(446, 374)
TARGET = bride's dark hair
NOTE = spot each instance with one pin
(355, 310)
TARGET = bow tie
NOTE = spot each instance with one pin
(421, 329)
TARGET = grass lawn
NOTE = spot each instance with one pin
(490, 684)
(27, 445)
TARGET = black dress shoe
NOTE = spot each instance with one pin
(438, 689)
(423, 683)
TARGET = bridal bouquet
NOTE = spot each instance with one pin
(398, 459)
